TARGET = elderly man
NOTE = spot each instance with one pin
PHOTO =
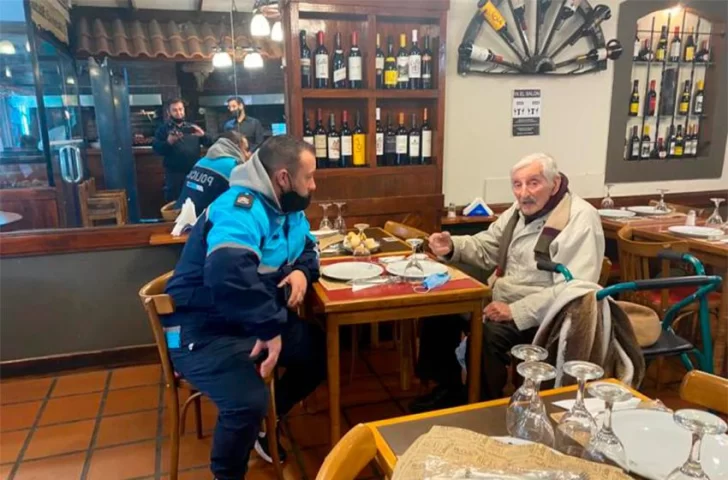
(545, 222)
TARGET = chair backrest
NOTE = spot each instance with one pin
(606, 270)
(682, 208)
(404, 231)
(349, 457)
(157, 303)
(706, 390)
(634, 263)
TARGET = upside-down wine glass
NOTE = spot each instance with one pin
(661, 205)
(521, 397)
(699, 423)
(339, 223)
(325, 222)
(604, 446)
(533, 423)
(576, 427)
(608, 202)
(715, 220)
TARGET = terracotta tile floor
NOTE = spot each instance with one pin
(111, 425)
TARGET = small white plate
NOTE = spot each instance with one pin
(697, 232)
(428, 267)
(323, 233)
(612, 213)
(647, 210)
(346, 271)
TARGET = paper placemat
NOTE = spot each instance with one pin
(637, 219)
(333, 285)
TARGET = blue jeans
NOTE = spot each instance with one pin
(220, 367)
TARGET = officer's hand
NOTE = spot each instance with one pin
(440, 243)
(297, 280)
(274, 350)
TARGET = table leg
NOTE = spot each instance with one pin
(374, 335)
(334, 377)
(720, 363)
(405, 354)
(476, 347)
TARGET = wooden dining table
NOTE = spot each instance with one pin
(395, 302)
(393, 436)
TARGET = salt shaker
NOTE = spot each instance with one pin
(451, 211)
(690, 220)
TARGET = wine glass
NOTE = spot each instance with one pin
(604, 446)
(339, 223)
(699, 423)
(533, 423)
(521, 397)
(661, 205)
(715, 220)
(608, 202)
(361, 250)
(577, 426)
(325, 222)
(414, 262)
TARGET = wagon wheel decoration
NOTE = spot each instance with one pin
(544, 42)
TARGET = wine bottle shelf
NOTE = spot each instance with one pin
(657, 63)
(677, 116)
(373, 170)
(333, 93)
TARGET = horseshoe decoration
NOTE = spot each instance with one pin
(541, 46)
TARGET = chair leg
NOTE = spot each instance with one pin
(194, 396)
(272, 432)
(174, 432)
(374, 335)
(354, 351)
(198, 416)
(405, 355)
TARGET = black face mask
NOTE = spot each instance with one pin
(292, 201)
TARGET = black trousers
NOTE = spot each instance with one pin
(440, 336)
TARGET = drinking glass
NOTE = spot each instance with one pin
(576, 427)
(521, 397)
(339, 223)
(604, 446)
(414, 262)
(715, 220)
(699, 423)
(661, 205)
(608, 202)
(325, 222)
(533, 423)
(361, 251)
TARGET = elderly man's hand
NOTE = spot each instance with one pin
(440, 243)
(498, 312)
(297, 280)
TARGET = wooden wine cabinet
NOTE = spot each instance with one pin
(373, 194)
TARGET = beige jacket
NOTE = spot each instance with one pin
(529, 291)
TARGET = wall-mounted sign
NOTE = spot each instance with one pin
(526, 113)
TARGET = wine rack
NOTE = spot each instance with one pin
(678, 53)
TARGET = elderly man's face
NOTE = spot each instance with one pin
(532, 189)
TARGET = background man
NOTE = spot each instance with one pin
(242, 123)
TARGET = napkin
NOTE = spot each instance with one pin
(373, 282)
(595, 406)
(477, 207)
(187, 217)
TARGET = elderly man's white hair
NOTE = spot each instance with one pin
(548, 165)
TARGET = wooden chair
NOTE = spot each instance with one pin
(606, 272)
(350, 456)
(97, 205)
(157, 303)
(706, 390)
(169, 213)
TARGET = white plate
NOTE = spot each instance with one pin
(428, 267)
(323, 233)
(612, 213)
(513, 440)
(656, 445)
(646, 210)
(346, 271)
(697, 232)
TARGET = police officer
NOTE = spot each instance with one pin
(210, 176)
(245, 268)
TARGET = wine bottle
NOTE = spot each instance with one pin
(333, 142)
(675, 46)
(402, 63)
(355, 70)
(646, 54)
(321, 56)
(689, 52)
(651, 100)
(426, 140)
(347, 150)
(684, 105)
(379, 140)
(427, 64)
(307, 132)
(495, 19)
(645, 144)
(661, 51)
(634, 101)
(699, 98)
(634, 145)
(679, 143)
(415, 142)
(671, 141)
(695, 140)
(703, 55)
(688, 149)
(401, 153)
(320, 142)
(339, 63)
(661, 150)
(379, 64)
(519, 14)
(390, 143)
(390, 67)
(360, 143)
(305, 61)
(568, 9)
(415, 64)
(637, 48)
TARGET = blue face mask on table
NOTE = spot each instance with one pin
(432, 282)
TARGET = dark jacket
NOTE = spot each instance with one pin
(183, 154)
(250, 127)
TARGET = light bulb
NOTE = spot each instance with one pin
(27, 45)
(71, 81)
(259, 26)
(8, 73)
(222, 60)
(253, 60)
(276, 33)
(7, 47)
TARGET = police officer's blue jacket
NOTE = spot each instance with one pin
(240, 249)
(210, 176)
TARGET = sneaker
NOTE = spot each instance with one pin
(262, 448)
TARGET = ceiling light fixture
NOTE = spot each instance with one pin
(259, 26)
(253, 60)
(8, 73)
(27, 46)
(222, 59)
(276, 33)
(7, 47)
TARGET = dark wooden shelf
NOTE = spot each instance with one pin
(370, 171)
(351, 93)
(658, 62)
(461, 219)
(400, 94)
